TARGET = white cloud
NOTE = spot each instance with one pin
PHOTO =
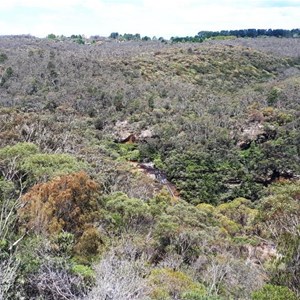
(148, 17)
(44, 4)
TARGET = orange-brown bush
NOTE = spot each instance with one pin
(66, 203)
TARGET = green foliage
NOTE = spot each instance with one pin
(151, 102)
(30, 261)
(130, 36)
(249, 33)
(230, 226)
(79, 39)
(114, 35)
(18, 151)
(86, 272)
(6, 189)
(198, 296)
(180, 230)
(280, 212)
(51, 36)
(239, 210)
(160, 203)
(281, 206)
(63, 243)
(3, 57)
(126, 151)
(274, 292)
(8, 73)
(169, 284)
(267, 161)
(4, 248)
(88, 245)
(166, 229)
(128, 212)
(25, 159)
(287, 268)
(273, 96)
(45, 166)
(187, 39)
(207, 208)
(199, 176)
(222, 38)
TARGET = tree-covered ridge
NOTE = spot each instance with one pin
(198, 38)
(149, 170)
(238, 33)
(252, 33)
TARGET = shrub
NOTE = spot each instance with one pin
(3, 57)
(86, 272)
(66, 203)
(19, 151)
(88, 244)
(274, 292)
(24, 160)
(198, 296)
(239, 211)
(169, 284)
(128, 212)
(63, 243)
(45, 166)
(280, 214)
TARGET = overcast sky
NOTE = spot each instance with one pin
(148, 17)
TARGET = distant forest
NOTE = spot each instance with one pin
(251, 33)
(223, 34)
(198, 38)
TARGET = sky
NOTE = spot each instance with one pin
(160, 18)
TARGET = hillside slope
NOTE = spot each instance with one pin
(175, 165)
(209, 100)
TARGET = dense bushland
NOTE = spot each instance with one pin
(201, 202)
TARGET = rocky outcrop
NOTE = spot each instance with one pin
(255, 132)
(261, 253)
(130, 133)
(122, 130)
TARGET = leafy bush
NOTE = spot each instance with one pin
(24, 161)
(3, 57)
(128, 212)
(18, 151)
(198, 176)
(274, 292)
(198, 296)
(88, 245)
(239, 211)
(86, 272)
(42, 167)
(63, 244)
(169, 284)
